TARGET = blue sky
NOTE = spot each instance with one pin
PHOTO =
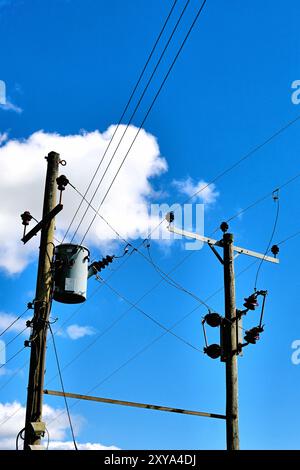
(70, 66)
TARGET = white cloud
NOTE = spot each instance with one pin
(7, 319)
(22, 174)
(9, 106)
(69, 445)
(202, 192)
(3, 137)
(58, 427)
(76, 331)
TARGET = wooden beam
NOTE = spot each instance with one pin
(134, 404)
(46, 220)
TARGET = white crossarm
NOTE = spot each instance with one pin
(211, 241)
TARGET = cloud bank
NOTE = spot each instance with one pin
(22, 174)
(57, 426)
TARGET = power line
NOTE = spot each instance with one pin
(176, 266)
(259, 146)
(123, 113)
(77, 310)
(250, 153)
(12, 377)
(289, 238)
(63, 388)
(14, 338)
(12, 357)
(263, 198)
(134, 112)
(158, 323)
(238, 162)
(157, 338)
(246, 156)
(256, 202)
(165, 276)
(114, 323)
(13, 322)
(171, 281)
(151, 343)
(127, 311)
(270, 241)
(146, 116)
(11, 415)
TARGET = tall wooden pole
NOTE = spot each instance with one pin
(42, 306)
(230, 339)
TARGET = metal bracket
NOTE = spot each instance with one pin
(215, 252)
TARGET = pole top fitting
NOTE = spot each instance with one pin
(224, 227)
(62, 181)
(275, 250)
(52, 155)
(26, 218)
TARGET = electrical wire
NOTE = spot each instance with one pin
(269, 243)
(146, 115)
(149, 291)
(155, 340)
(165, 276)
(174, 283)
(127, 106)
(121, 316)
(13, 375)
(13, 339)
(12, 357)
(94, 209)
(158, 323)
(258, 147)
(17, 410)
(130, 120)
(13, 322)
(246, 156)
(262, 198)
(280, 242)
(289, 238)
(19, 435)
(62, 387)
(234, 165)
(109, 328)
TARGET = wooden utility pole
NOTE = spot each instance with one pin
(34, 427)
(230, 327)
(230, 340)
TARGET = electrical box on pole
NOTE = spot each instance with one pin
(71, 273)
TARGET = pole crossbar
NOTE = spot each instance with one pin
(134, 404)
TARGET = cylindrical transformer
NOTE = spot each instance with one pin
(71, 273)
